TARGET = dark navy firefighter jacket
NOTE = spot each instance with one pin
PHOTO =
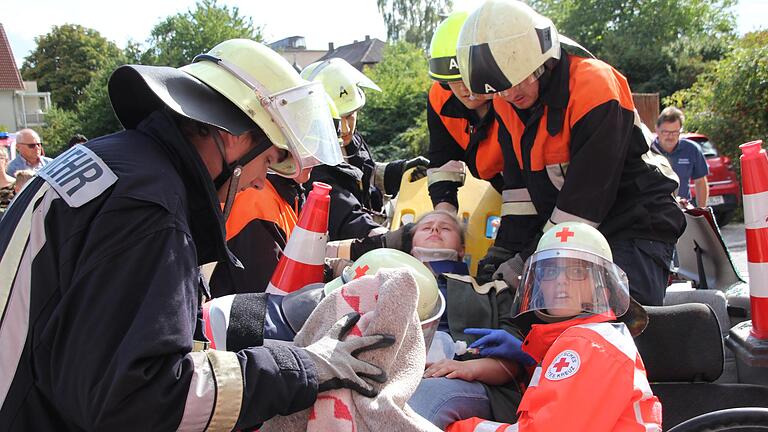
(100, 297)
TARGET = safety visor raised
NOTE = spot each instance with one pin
(311, 138)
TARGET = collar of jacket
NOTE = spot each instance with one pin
(206, 220)
(290, 191)
(542, 336)
(556, 93)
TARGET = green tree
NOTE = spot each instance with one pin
(413, 21)
(179, 38)
(393, 122)
(60, 125)
(95, 116)
(660, 45)
(729, 102)
(65, 60)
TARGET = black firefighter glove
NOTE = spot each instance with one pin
(400, 239)
(420, 163)
(490, 263)
(336, 359)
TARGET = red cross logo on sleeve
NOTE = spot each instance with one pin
(564, 365)
(563, 234)
(560, 365)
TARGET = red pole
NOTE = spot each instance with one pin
(754, 183)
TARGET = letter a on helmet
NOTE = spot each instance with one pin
(502, 43)
(342, 82)
(443, 65)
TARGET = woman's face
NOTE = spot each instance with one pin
(566, 285)
(438, 231)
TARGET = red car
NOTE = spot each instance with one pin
(724, 189)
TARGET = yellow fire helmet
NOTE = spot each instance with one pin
(570, 274)
(342, 81)
(502, 43)
(443, 65)
(377, 259)
(292, 112)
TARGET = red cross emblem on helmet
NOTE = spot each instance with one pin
(564, 234)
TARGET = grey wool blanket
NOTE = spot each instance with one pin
(387, 303)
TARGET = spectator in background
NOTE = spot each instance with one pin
(22, 177)
(684, 155)
(6, 181)
(76, 139)
(30, 153)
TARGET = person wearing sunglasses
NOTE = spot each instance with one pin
(103, 249)
(573, 145)
(30, 153)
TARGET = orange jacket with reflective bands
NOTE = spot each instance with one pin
(591, 378)
(457, 133)
(580, 154)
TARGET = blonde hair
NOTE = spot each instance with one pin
(451, 216)
(22, 177)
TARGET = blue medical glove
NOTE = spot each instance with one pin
(501, 344)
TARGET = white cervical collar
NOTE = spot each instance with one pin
(434, 254)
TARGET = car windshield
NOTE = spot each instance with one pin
(706, 147)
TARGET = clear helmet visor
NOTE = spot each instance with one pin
(312, 139)
(566, 283)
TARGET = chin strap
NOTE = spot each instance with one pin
(235, 169)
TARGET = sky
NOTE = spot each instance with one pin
(319, 21)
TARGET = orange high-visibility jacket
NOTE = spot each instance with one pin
(591, 379)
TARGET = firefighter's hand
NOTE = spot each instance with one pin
(490, 263)
(500, 344)
(417, 174)
(510, 271)
(418, 161)
(336, 359)
(400, 239)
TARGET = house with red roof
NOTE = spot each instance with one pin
(21, 105)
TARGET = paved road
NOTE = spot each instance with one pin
(734, 237)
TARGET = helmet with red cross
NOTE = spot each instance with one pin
(377, 259)
(572, 273)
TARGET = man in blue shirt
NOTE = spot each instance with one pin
(684, 155)
(30, 153)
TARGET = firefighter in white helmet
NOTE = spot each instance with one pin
(574, 147)
(589, 374)
(359, 183)
(99, 310)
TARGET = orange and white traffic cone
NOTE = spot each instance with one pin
(754, 184)
(304, 254)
